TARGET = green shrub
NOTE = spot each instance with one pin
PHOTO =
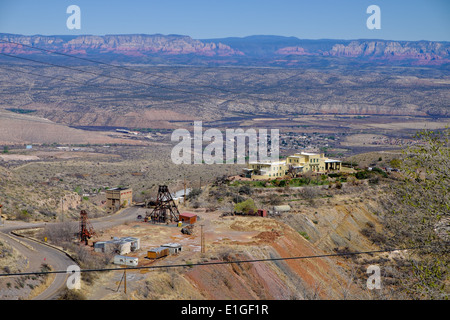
(379, 171)
(304, 235)
(361, 175)
(245, 189)
(245, 206)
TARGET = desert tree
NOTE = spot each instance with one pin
(417, 215)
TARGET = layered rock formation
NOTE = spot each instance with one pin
(135, 45)
(241, 50)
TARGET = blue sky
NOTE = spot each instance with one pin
(201, 19)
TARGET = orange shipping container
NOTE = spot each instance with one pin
(157, 253)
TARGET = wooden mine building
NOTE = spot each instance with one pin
(117, 198)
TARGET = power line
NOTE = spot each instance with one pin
(242, 94)
(213, 263)
(106, 76)
(90, 84)
(143, 72)
(160, 86)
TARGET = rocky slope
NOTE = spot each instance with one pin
(422, 51)
(415, 52)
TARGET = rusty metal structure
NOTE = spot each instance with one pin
(165, 208)
(86, 229)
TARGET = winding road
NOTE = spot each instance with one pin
(38, 253)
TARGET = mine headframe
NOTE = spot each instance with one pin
(165, 208)
(86, 230)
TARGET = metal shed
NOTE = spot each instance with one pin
(99, 246)
(188, 217)
(121, 246)
(157, 253)
(174, 248)
(135, 243)
(262, 213)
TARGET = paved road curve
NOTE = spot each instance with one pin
(39, 253)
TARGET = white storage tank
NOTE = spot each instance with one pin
(282, 208)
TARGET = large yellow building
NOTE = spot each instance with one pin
(266, 169)
(297, 163)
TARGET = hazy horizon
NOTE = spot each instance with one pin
(413, 20)
(226, 37)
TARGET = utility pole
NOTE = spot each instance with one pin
(125, 278)
(184, 195)
(202, 239)
(62, 209)
(125, 275)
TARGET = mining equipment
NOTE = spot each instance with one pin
(86, 229)
(165, 209)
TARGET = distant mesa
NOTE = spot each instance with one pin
(294, 50)
(133, 44)
(235, 51)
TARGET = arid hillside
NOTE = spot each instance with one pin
(26, 129)
(315, 226)
(169, 97)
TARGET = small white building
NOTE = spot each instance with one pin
(174, 248)
(121, 246)
(126, 261)
(135, 243)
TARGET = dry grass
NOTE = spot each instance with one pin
(35, 190)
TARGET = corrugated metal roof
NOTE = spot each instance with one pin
(159, 249)
(171, 245)
(126, 257)
(118, 240)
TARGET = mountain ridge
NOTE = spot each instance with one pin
(266, 50)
